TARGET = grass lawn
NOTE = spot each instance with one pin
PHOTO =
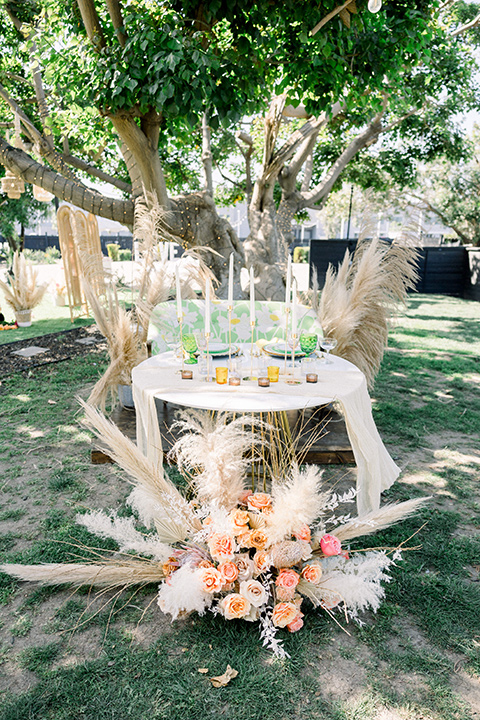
(417, 658)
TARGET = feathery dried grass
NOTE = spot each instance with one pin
(142, 472)
(359, 299)
(378, 519)
(23, 293)
(110, 573)
(216, 447)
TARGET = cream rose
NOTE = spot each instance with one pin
(312, 573)
(235, 606)
(254, 592)
(245, 566)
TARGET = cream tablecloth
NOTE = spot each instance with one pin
(340, 382)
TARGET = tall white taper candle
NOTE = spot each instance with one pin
(179, 292)
(230, 283)
(252, 296)
(288, 291)
(207, 309)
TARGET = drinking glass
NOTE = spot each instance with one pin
(308, 342)
(327, 344)
(190, 346)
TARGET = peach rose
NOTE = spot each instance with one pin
(258, 539)
(235, 606)
(211, 580)
(221, 547)
(229, 572)
(330, 545)
(312, 573)
(245, 539)
(284, 613)
(261, 561)
(284, 594)
(170, 566)
(267, 510)
(303, 533)
(243, 497)
(239, 520)
(296, 624)
(205, 564)
(254, 592)
(258, 501)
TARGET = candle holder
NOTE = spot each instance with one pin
(311, 377)
(251, 376)
(187, 374)
(287, 315)
(264, 382)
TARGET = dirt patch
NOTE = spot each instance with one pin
(59, 346)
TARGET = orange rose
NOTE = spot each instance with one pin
(239, 519)
(245, 539)
(211, 580)
(284, 613)
(229, 572)
(170, 566)
(261, 561)
(303, 533)
(221, 547)
(312, 573)
(258, 501)
(235, 606)
(258, 539)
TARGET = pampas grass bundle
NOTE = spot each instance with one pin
(359, 299)
(23, 292)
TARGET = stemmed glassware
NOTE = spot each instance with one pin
(327, 344)
(308, 342)
(189, 343)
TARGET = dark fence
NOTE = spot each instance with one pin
(41, 242)
(442, 270)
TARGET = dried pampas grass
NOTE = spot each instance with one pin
(110, 573)
(123, 531)
(214, 449)
(23, 292)
(358, 300)
(378, 519)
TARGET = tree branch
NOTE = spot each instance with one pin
(96, 172)
(443, 218)
(91, 22)
(329, 17)
(207, 156)
(467, 26)
(115, 12)
(79, 195)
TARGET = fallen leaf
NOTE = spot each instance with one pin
(203, 670)
(52, 402)
(222, 680)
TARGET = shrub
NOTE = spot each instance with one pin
(113, 251)
(300, 255)
(125, 254)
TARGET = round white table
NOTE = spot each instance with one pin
(340, 382)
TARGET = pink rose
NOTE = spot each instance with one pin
(221, 547)
(296, 624)
(287, 578)
(229, 571)
(303, 533)
(330, 545)
(211, 579)
(243, 497)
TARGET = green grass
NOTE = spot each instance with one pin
(426, 399)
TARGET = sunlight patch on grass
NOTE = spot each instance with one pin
(22, 398)
(31, 432)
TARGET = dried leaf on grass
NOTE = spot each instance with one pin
(222, 680)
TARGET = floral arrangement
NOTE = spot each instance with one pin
(242, 553)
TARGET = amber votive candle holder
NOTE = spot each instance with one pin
(263, 381)
(311, 377)
(234, 380)
(187, 374)
(273, 372)
(221, 375)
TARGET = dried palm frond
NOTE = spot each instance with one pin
(378, 519)
(358, 300)
(110, 573)
(142, 472)
(296, 502)
(216, 448)
(23, 293)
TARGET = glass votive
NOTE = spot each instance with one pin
(234, 380)
(311, 377)
(273, 372)
(308, 365)
(221, 375)
(187, 374)
(263, 381)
